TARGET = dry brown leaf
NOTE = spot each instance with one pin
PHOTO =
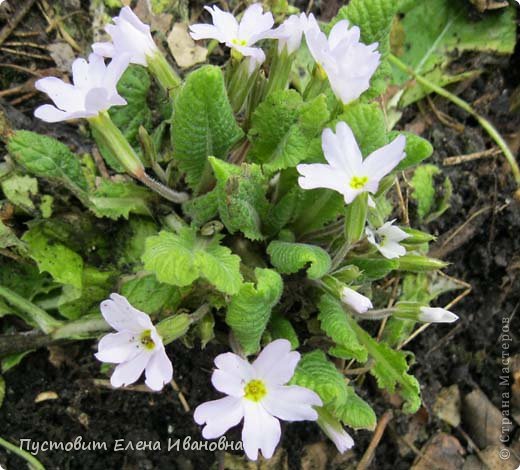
(183, 48)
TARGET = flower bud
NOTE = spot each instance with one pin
(356, 301)
(334, 431)
(436, 315)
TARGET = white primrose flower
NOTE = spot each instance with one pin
(436, 315)
(256, 393)
(290, 33)
(348, 63)
(346, 171)
(356, 301)
(386, 239)
(253, 27)
(94, 89)
(129, 36)
(136, 347)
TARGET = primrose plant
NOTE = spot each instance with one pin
(254, 202)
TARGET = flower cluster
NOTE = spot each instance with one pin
(263, 392)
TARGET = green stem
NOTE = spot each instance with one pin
(486, 125)
(39, 316)
(114, 139)
(33, 462)
(164, 73)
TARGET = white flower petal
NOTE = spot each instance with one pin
(382, 161)
(96, 100)
(117, 347)
(219, 416)
(106, 49)
(261, 431)
(335, 431)
(235, 366)
(255, 24)
(65, 96)
(227, 383)
(128, 372)
(319, 175)
(115, 71)
(437, 315)
(292, 403)
(206, 31)
(120, 315)
(351, 159)
(159, 370)
(392, 250)
(49, 113)
(224, 21)
(276, 363)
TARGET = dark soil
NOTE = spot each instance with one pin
(485, 254)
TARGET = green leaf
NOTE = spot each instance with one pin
(281, 327)
(48, 158)
(250, 310)
(133, 86)
(317, 373)
(147, 294)
(285, 130)
(131, 239)
(432, 42)
(430, 202)
(115, 199)
(202, 209)
(8, 237)
(334, 323)
(63, 264)
(203, 124)
(180, 259)
(20, 190)
(289, 258)
(241, 197)
(173, 327)
(390, 369)
(281, 213)
(367, 122)
(417, 149)
(96, 286)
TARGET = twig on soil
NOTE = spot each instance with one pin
(8, 50)
(404, 439)
(19, 68)
(376, 438)
(181, 396)
(458, 159)
(100, 163)
(403, 205)
(24, 97)
(444, 118)
(58, 23)
(129, 388)
(472, 444)
(486, 125)
(13, 22)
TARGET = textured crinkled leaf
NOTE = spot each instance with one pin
(130, 241)
(203, 208)
(147, 294)
(317, 373)
(281, 327)
(424, 189)
(47, 158)
(285, 130)
(63, 264)
(390, 369)
(115, 199)
(367, 122)
(417, 149)
(203, 123)
(180, 259)
(249, 311)
(290, 258)
(241, 196)
(333, 320)
(20, 190)
(432, 42)
(281, 213)
(133, 86)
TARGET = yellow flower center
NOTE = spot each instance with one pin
(239, 42)
(146, 340)
(255, 390)
(320, 72)
(358, 182)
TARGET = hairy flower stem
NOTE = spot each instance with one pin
(114, 139)
(33, 462)
(486, 125)
(279, 71)
(30, 312)
(164, 73)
